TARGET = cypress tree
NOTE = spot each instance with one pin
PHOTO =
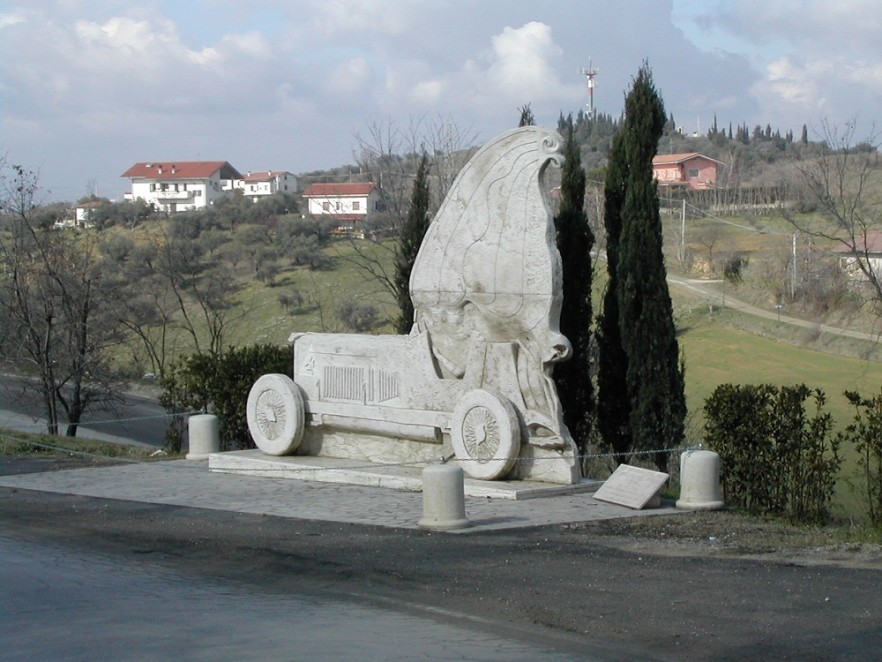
(656, 404)
(612, 392)
(574, 242)
(415, 227)
(527, 117)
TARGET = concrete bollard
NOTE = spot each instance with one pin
(443, 498)
(700, 481)
(204, 433)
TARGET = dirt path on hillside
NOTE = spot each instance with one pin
(712, 292)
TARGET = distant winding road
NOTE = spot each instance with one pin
(709, 290)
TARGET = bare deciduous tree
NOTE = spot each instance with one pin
(202, 290)
(844, 185)
(390, 155)
(709, 236)
(57, 307)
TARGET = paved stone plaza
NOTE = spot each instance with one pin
(189, 483)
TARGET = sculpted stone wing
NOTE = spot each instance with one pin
(489, 258)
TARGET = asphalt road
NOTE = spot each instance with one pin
(106, 606)
(561, 588)
(138, 418)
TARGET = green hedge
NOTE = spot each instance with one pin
(865, 433)
(220, 384)
(775, 458)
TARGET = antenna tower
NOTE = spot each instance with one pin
(590, 73)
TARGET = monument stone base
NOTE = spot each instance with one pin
(356, 472)
(535, 464)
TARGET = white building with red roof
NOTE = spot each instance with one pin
(350, 203)
(181, 185)
(256, 185)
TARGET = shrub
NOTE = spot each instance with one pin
(220, 384)
(358, 317)
(733, 271)
(865, 432)
(308, 252)
(774, 458)
(292, 301)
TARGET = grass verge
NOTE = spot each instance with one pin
(20, 444)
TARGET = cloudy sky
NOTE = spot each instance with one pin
(89, 87)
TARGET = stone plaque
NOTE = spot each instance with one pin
(631, 486)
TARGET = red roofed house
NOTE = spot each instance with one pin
(349, 203)
(182, 185)
(266, 182)
(692, 170)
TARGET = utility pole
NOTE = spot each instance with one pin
(683, 231)
(590, 73)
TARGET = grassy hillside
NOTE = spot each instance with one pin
(718, 354)
(264, 319)
(719, 348)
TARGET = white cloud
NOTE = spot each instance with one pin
(519, 65)
(794, 84)
(286, 84)
(331, 18)
(819, 25)
(11, 18)
(125, 35)
(524, 60)
(250, 44)
(815, 58)
(428, 92)
(129, 64)
(864, 73)
(350, 78)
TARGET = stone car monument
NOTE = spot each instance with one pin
(472, 381)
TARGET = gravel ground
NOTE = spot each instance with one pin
(728, 534)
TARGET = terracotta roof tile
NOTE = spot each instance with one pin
(181, 170)
(670, 159)
(264, 175)
(357, 188)
(872, 242)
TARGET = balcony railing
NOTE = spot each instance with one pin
(163, 196)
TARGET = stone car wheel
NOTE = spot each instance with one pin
(485, 434)
(276, 414)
